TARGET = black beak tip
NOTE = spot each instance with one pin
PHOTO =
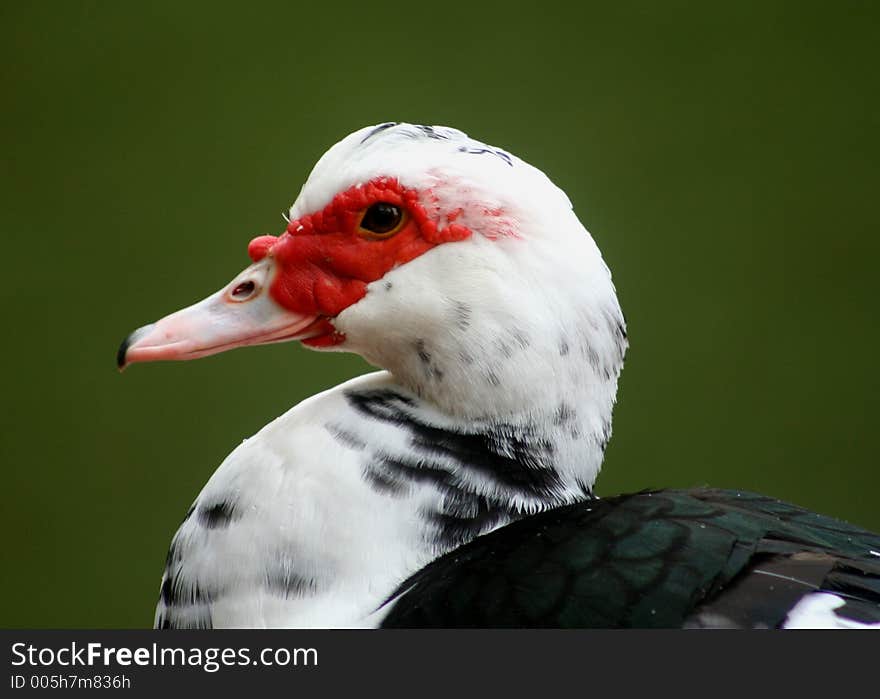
(121, 352)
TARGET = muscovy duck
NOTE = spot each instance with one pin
(455, 487)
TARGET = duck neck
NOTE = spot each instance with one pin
(520, 422)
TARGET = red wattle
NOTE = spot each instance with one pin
(327, 337)
(259, 247)
(325, 261)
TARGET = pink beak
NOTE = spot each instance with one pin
(242, 313)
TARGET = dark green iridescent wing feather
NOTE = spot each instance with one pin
(669, 558)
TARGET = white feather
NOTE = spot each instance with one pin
(816, 611)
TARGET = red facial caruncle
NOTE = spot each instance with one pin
(325, 260)
(301, 280)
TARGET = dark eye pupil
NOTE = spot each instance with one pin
(381, 218)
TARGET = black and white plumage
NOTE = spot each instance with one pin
(464, 273)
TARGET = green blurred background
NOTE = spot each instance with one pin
(724, 155)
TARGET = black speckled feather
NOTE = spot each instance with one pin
(669, 558)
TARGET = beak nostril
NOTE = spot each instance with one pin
(243, 290)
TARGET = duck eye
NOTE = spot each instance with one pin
(382, 220)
